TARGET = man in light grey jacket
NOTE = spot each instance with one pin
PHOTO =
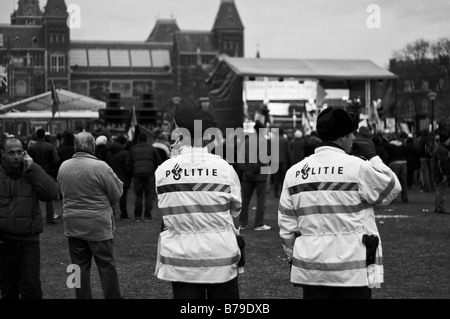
(90, 189)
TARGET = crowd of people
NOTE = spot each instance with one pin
(327, 182)
(411, 157)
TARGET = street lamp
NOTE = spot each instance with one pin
(432, 96)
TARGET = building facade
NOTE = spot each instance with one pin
(417, 79)
(167, 69)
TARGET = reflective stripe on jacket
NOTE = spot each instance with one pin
(328, 198)
(198, 196)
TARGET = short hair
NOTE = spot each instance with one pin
(85, 142)
(40, 133)
(11, 139)
(142, 137)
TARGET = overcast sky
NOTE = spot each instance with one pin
(335, 29)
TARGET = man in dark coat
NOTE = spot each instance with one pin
(297, 146)
(412, 162)
(253, 179)
(143, 161)
(117, 157)
(67, 149)
(46, 156)
(24, 183)
(284, 157)
(311, 142)
(398, 163)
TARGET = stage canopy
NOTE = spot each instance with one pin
(69, 101)
(227, 82)
(323, 69)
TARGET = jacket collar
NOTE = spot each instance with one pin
(324, 146)
(83, 154)
(330, 145)
(194, 150)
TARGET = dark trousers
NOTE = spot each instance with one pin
(278, 178)
(440, 196)
(49, 211)
(20, 267)
(326, 292)
(247, 191)
(400, 170)
(81, 252)
(426, 174)
(123, 201)
(226, 290)
(143, 188)
(410, 177)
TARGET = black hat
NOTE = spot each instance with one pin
(185, 119)
(334, 123)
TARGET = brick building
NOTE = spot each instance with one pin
(36, 50)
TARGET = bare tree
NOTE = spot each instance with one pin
(422, 49)
(399, 55)
(419, 49)
(416, 50)
(440, 48)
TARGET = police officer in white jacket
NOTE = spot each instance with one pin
(326, 216)
(199, 194)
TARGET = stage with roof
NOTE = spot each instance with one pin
(75, 112)
(238, 87)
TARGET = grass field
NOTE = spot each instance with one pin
(415, 249)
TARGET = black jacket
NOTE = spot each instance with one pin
(117, 157)
(20, 213)
(45, 155)
(143, 160)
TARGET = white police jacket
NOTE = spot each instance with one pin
(198, 195)
(325, 207)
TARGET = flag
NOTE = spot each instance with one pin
(3, 79)
(55, 100)
(305, 123)
(375, 118)
(131, 125)
(321, 94)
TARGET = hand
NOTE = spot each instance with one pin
(27, 161)
(364, 149)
